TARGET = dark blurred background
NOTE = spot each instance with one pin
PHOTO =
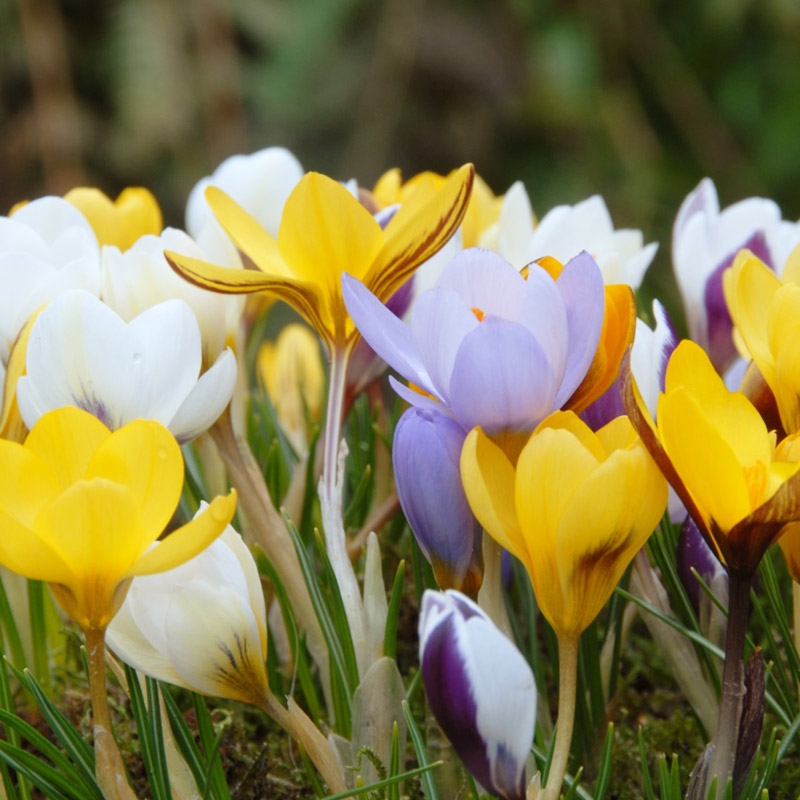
(635, 99)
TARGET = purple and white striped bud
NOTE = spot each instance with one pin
(426, 457)
(694, 555)
(480, 689)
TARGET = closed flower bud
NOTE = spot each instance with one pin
(480, 689)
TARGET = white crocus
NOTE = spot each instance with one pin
(259, 183)
(82, 353)
(705, 241)
(565, 231)
(46, 247)
(202, 625)
(141, 277)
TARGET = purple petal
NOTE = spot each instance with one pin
(581, 287)
(485, 280)
(502, 378)
(702, 200)
(439, 324)
(388, 336)
(426, 458)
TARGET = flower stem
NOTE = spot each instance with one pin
(723, 755)
(109, 769)
(300, 727)
(267, 529)
(567, 689)
(332, 503)
(796, 618)
(490, 595)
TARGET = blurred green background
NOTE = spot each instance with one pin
(635, 99)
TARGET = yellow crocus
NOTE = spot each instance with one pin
(765, 310)
(80, 507)
(574, 511)
(135, 213)
(325, 232)
(716, 451)
(290, 369)
(482, 212)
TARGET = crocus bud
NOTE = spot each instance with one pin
(694, 555)
(201, 625)
(426, 456)
(480, 689)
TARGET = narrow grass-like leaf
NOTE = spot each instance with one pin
(76, 747)
(428, 784)
(151, 739)
(374, 787)
(393, 612)
(10, 629)
(606, 764)
(214, 778)
(53, 783)
(647, 782)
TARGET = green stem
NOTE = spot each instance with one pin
(332, 504)
(796, 619)
(109, 769)
(37, 613)
(723, 756)
(567, 690)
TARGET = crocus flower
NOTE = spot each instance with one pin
(290, 369)
(138, 278)
(259, 182)
(491, 347)
(80, 506)
(324, 232)
(201, 625)
(81, 353)
(705, 241)
(119, 222)
(480, 689)
(426, 455)
(565, 231)
(46, 247)
(574, 511)
(766, 312)
(717, 453)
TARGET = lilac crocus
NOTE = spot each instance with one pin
(487, 345)
(480, 689)
(705, 241)
(426, 456)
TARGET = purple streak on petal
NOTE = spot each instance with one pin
(702, 199)
(388, 336)
(721, 349)
(694, 553)
(666, 340)
(502, 378)
(450, 693)
(439, 324)
(485, 280)
(581, 287)
(426, 458)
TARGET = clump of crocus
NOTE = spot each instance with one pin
(575, 509)
(480, 689)
(80, 507)
(741, 488)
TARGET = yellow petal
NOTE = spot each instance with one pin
(488, 479)
(11, 424)
(188, 540)
(66, 440)
(704, 458)
(248, 234)
(143, 456)
(24, 552)
(750, 286)
(28, 484)
(422, 225)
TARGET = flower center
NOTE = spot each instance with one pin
(479, 313)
